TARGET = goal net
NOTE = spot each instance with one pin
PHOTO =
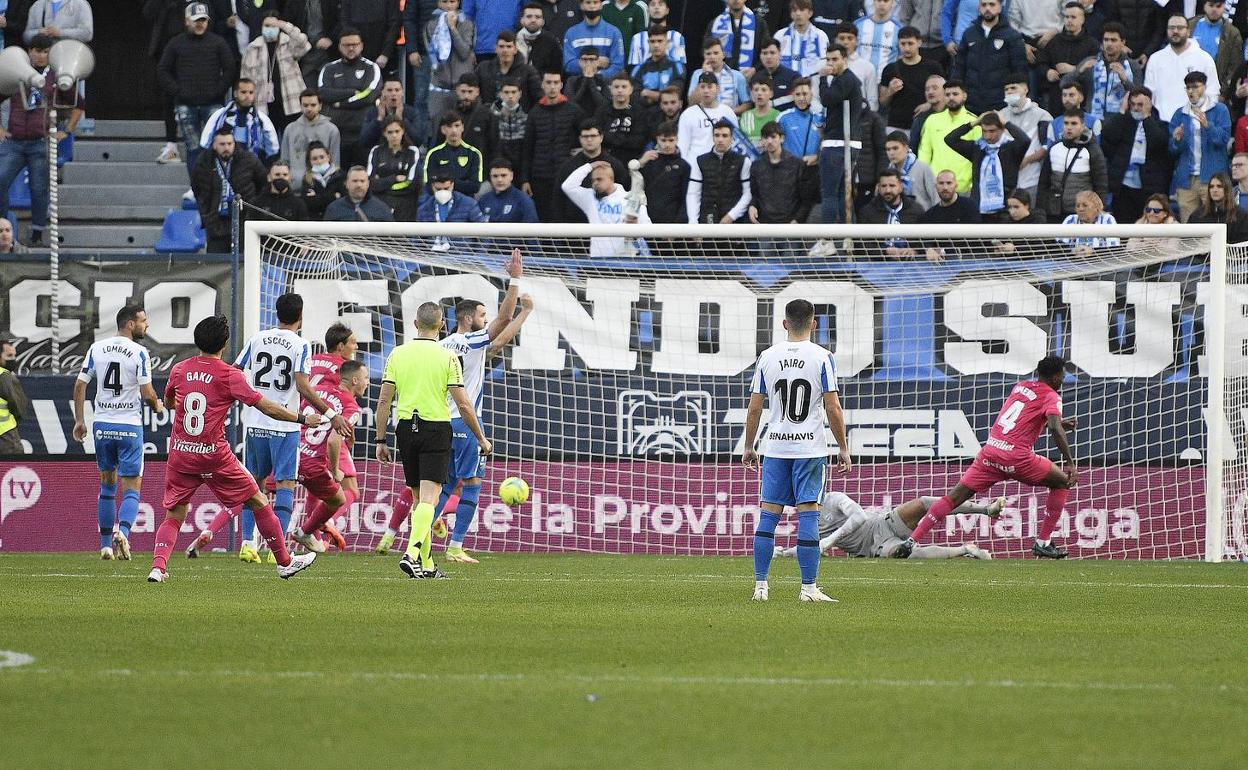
(622, 403)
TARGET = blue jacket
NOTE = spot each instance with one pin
(604, 36)
(985, 61)
(462, 209)
(802, 131)
(957, 16)
(1213, 142)
(511, 206)
(492, 17)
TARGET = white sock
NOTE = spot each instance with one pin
(760, 583)
(1044, 543)
(391, 532)
(455, 544)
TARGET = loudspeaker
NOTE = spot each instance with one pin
(70, 61)
(16, 72)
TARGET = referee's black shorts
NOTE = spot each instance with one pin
(425, 449)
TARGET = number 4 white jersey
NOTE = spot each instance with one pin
(471, 348)
(794, 376)
(121, 365)
(271, 359)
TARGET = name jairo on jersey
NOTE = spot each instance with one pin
(794, 376)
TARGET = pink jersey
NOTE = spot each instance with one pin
(323, 370)
(203, 389)
(1022, 417)
(314, 443)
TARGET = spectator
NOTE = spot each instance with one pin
(1063, 53)
(13, 403)
(1219, 38)
(358, 205)
(24, 142)
(318, 19)
(553, 129)
(596, 33)
(1239, 180)
(60, 20)
(348, 88)
(503, 202)
(1199, 134)
(740, 32)
(695, 129)
(378, 23)
(761, 112)
(667, 178)
(989, 51)
(1235, 96)
(416, 16)
(541, 48)
(774, 183)
(1111, 75)
(1182, 55)
(671, 105)
(872, 159)
(390, 103)
(509, 127)
(932, 148)
(658, 70)
(838, 88)
(460, 161)
(675, 42)
(394, 170)
(590, 152)
(956, 17)
(924, 16)
(589, 89)
(733, 89)
(1075, 165)
(628, 16)
(323, 182)
(1137, 154)
(933, 102)
(803, 129)
(311, 127)
(476, 115)
(602, 202)
(995, 159)
(917, 180)
(1033, 120)
(449, 38)
(271, 61)
(195, 69)
(1218, 208)
(1098, 13)
(1144, 22)
(279, 199)
(560, 16)
(9, 244)
(508, 63)
(949, 209)
(863, 69)
(220, 176)
(782, 78)
(492, 17)
(1089, 210)
(1073, 98)
(1156, 211)
(802, 45)
(252, 129)
(902, 83)
(889, 207)
(877, 34)
(1021, 212)
(1038, 21)
(719, 181)
(168, 20)
(623, 125)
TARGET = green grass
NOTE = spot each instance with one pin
(581, 661)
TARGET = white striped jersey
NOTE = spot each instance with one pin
(794, 376)
(122, 365)
(802, 51)
(1096, 242)
(639, 49)
(877, 41)
(471, 347)
(271, 359)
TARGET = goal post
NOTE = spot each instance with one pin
(623, 399)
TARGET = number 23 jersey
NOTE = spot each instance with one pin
(271, 359)
(793, 376)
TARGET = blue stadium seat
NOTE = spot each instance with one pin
(181, 233)
(19, 191)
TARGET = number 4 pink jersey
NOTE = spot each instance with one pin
(1022, 417)
(203, 389)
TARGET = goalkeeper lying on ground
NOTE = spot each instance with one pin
(844, 524)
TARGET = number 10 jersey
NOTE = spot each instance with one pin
(271, 359)
(793, 376)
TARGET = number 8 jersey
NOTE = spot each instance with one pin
(794, 376)
(271, 359)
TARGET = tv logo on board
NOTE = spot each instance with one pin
(19, 489)
(651, 425)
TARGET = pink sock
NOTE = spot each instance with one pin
(402, 507)
(219, 521)
(166, 539)
(1053, 507)
(271, 530)
(314, 512)
(934, 516)
(322, 513)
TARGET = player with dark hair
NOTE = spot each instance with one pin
(201, 392)
(1031, 406)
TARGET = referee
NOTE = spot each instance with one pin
(421, 374)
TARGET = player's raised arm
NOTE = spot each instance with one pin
(515, 269)
(303, 383)
(469, 415)
(512, 328)
(383, 420)
(753, 416)
(1057, 426)
(836, 420)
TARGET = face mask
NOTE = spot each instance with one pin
(321, 169)
(270, 34)
(443, 197)
(591, 15)
(1012, 100)
(1138, 115)
(281, 186)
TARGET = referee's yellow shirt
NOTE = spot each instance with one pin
(422, 372)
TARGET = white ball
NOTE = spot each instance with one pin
(634, 164)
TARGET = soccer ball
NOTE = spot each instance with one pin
(513, 491)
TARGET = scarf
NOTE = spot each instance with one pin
(322, 178)
(894, 218)
(511, 124)
(1107, 89)
(227, 189)
(991, 177)
(248, 128)
(727, 30)
(524, 41)
(440, 42)
(1192, 127)
(1139, 150)
(907, 184)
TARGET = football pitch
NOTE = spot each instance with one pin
(605, 661)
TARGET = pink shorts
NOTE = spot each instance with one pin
(992, 466)
(224, 475)
(318, 482)
(346, 462)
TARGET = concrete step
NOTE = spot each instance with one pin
(118, 235)
(118, 150)
(129, 129)
(89, 213)
(124, 173)
(123, 195)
